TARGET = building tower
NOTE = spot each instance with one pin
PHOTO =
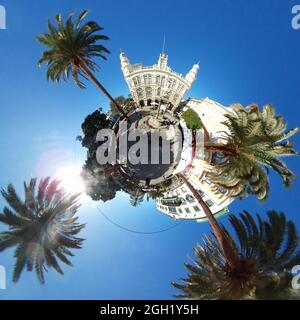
(157, 83)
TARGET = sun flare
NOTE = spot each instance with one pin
(70, 178)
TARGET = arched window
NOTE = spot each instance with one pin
(140, 92)
(175, 98)
(180, 87)
(145, 79)
(157, 80)
(148, 91)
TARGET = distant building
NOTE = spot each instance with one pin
(158, 83)
(179, 202)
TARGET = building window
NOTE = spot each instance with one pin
(172, 210)
(157, 80)
(209, 202)
(183, 189)
(180, 88)
(196, 208)
(134, 81)
(158, 91)
(187, 210)
(148, 91)
(140, 92)
(175, 98)
(190, 198)
(208, 181)
(138, 79)
(163, 79)
(179, 210)
(202, 194)
(145, 79)
(150, 79)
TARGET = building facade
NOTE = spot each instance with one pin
(157, 84)
(179, 202)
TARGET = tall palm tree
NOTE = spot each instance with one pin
(224, 241)
(255, 143)
(267, 251)
(43, 227)
(71, 48)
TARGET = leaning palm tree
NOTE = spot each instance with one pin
(267, 251)
(224, 241)
(71, 47)
(256, 141)
(43, 227)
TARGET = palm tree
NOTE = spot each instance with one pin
(137, 198)
(255, 140)
(43, 227)
(255, 143)
(224, 241)
(267, 251)
(71, 48)
(126, 103)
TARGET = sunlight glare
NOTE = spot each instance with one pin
(70, 178)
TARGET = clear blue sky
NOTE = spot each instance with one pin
(248, 52)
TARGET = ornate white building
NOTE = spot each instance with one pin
(158, 83)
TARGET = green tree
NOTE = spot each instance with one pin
(90, 127)
(43, 227)
(255, 143)
(71, 48)
(99, 184)
(192, 119)
(267, 251)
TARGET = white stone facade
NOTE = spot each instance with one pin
(212, 115)
(181, 204)
(158, 83)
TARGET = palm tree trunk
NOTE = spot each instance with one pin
(225, 243)
(100, 86)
